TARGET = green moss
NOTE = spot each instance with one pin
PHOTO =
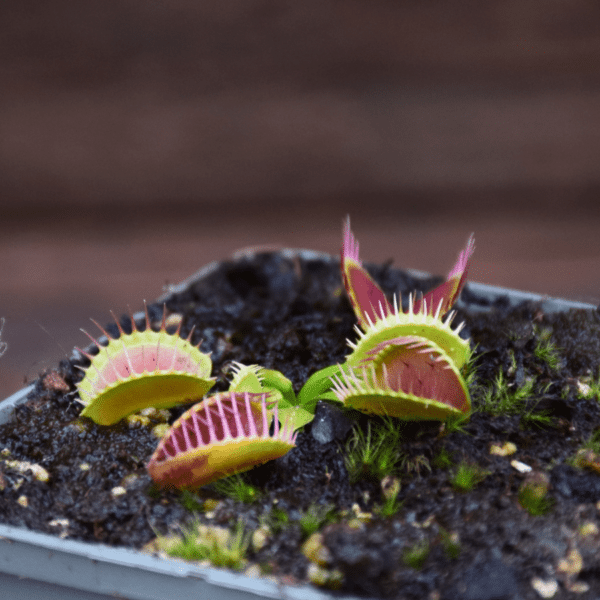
(390, 488)
(456, 424)
(390, 506)
(502, 398)
(312, 519)
(593, 442)
(416, 555)
(236, 487)
(223, 548)
(278, 519)
(190, 501)
(534, 499)
(535, 418)
(442, 460)
(450, 543)
(467, 476)
(414, 464)
(589, 389)
(546, 351)
(376, 453)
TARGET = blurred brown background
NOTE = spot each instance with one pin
(140, 140)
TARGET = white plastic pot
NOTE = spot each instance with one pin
(36, 565)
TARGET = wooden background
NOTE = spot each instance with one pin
(140, 140)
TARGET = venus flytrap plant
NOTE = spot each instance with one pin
(230, 432)
(405, 364)
(257, 379)
(224, 434)
(221, 435)
(140, 370)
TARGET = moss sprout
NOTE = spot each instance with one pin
(390, 488)
(376, 453)
(589, 388)
(191, 501)
(416, 555)
(503, 398)
(467, 476)
(533, 494)
(450, 543)
(443, 459)
(236, 487)
(312, 519)
(278, 519)
(546, 351)
(223, 548)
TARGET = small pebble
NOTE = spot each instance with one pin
(519, 466)
(505, 449)
(22, 500)
(315, 550)
(22, 466)
(59, 523)
(577, 587)
(545, 588)
(571, 564)
(159, 431)
(259, 538)
(173, 320)
(588, 529)
(584, 389)
(253, 571)
(134, 421)
(119, 490)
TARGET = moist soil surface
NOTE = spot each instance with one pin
(444, 537)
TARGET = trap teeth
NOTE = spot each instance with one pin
(224, 434)
(140, 370)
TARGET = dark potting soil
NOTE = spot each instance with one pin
(291, 314)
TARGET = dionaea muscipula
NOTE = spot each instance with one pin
(229, 432)
(142, 369)
(405, 363)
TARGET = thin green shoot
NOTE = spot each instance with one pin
(541, 419)
(414, 464)
(391, 505)
(390, 488)
(236, 487)
(470, 368)
(534, 499)
(312, 519)
(416, 555)
(546, 351)
(223, 548)
(278, 519)
(442, 460)
(501, 398)
(376, 453)
(450, 543)
(467, 476)
(456, 424)
(593, 442)
(190, 501)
